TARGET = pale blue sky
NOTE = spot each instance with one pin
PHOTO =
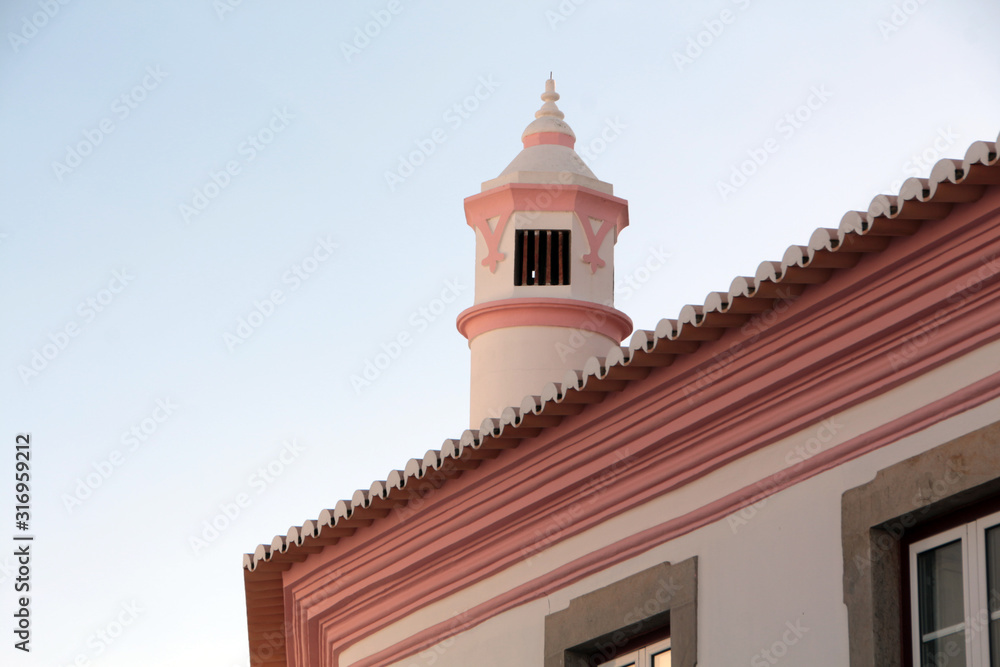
(884, 85)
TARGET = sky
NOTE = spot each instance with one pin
(218, 216)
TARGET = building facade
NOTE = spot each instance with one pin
(803, 470)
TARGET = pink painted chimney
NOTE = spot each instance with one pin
(545, 228)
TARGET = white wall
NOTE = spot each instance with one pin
(776, 564)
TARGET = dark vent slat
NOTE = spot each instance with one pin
(534, 268)
(559, 273)
(548, 264)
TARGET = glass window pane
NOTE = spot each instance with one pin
(662, 659)
(993, 590)
(941, 605)
(948, 650)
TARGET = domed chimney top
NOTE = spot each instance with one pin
(548, 122)
(548, 156)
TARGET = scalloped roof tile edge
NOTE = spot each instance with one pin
(951, 181)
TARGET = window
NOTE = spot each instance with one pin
(648, 619)
(952, 486)
(954, 598)
(654, 655)
(541, 257)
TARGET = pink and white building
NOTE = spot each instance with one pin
(802, 470)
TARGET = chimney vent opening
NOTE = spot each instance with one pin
(541, 257)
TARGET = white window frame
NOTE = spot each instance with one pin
(640, 658)
(975, 595)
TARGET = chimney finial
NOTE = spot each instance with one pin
(549, 97)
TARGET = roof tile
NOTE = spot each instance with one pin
(919, 200)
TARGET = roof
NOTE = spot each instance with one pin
(919, 200)
(829, 250)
